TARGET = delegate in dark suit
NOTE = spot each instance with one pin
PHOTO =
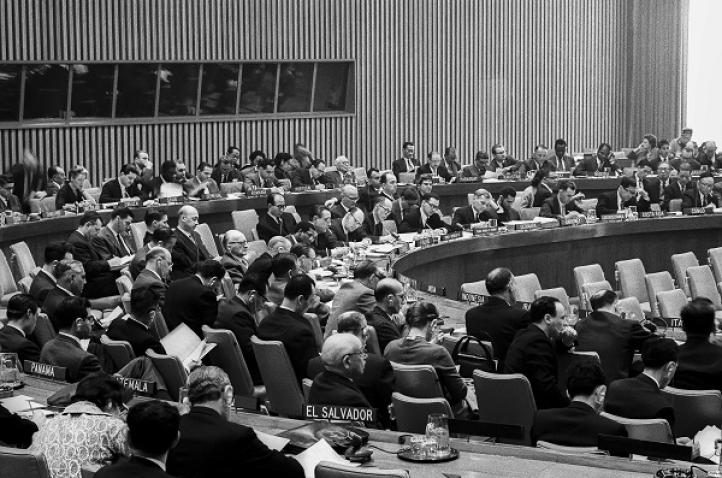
(42, 284)
(467, 215)
(674, 190)
(269, 227)
(190, 302)
(533, 354)
(186, 253)
(386, 329)
(135, 466)
(150, 280)
(607, 203)
(234, 315)
(52, 301)
(212, 447)
(330, 388)
(138, 335)
(441, 171)
(692, 198)
(13, 340)
(576, 425)
(111, 191)
(592, 164)
(15, 430)
(497, 320)
(413, 222)
(220, 177)
(340, 235)
(100, 279)
(651, 185)
(638, 397)
(552, 208)
(297, 335)
(367, 197)
(699, 365)
(400, 166)
(64, 351)
(614, 339)
(68, 195)
(554, 163)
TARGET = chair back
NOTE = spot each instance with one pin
(657, 282)
(7, 281)
(257, 247)
(529, 213)
(306, 384)
(558, 293)
(19, 463)
(93, 193)
(171, 371)
(282, 388)
(565, 361)
(655, 429)
(23, 259)
(584, 275)
(413, 413)
(124, 284)
(675, 205)
(714, 257)
(159, 325)
(404, 178)
(591, 288)
(680, 263)
(47, 204)
(228, 287)
(228, 356)
(632, 307)
(207, 239)
(631, 279)
(671, 303)
(291, 209)
(328, 469)
(316, 326)
(475, 288)
(694, 410)
(120, 351)
(44, 331)
(589, 204)
(138, 230)
(246, 222)
(701, 284)
(418, 381)
(372, 341)
(525, 286)
(24, 284)
(505, 399)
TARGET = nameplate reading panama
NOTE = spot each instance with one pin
(44, 370)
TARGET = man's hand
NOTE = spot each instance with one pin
(115, 263)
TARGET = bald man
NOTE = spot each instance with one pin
(158, 265)
(235, 257)
(379, 223)
(350, 228)
(343, 174)
(349, 198)
(344, 360)
(189, 248)
(482, 208)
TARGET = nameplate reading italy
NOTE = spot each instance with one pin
(44, 370)
(144, 387)
(335, 412)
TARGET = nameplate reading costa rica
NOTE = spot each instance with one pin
(336, 412)
(144, 387)
(44, 370)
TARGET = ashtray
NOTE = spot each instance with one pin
(408, 455)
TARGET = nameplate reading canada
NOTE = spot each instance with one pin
(44, 370)
(335, 412)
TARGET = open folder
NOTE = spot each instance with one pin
(183, 343)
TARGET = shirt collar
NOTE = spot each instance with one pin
(130, 317)
(65, 290)
(188, 235)
(152, 460)
(652, 378)
(18, 329)
(72, 337)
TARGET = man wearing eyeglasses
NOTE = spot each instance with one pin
(625, 196)
(482, 208)
(426, 217)
(349, 229)
(235, 258)
(379, 224)
(276, 222)
(704, 196)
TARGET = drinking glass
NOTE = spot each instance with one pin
(437, 430)
(492, 222)
(9, 375)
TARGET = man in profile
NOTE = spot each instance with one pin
(22, 316)
(506, 203)
(626, 195)
(389, 295)
(482, 208)
(426, 217)
(564, 204)
(344, 361)
(434, 167)
(357, 294)
(136, 329)
(123, 187)
(348, 201)
(44, 281)
(193, 300)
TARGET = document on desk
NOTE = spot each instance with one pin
(272, 441)
(317, 453)
(20, 403)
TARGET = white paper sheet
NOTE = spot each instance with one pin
(20, 403)
(272, 441)
(319, 452)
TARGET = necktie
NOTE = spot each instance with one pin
(123, 248)
(124, 192)
(561, 163)
(479, 218)
(562, 209)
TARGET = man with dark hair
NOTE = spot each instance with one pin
(276, 222)
(408, 202)
(426, 217)
(678, 186)
(261, 175)
(700, 361)
(212, 446)
(65, 350)
(434, 167)
(506, 203)
(579, 424)
(189, 249)
(136, 328)
(165, 185)
(155, 274)
(626, 195)
(482, 208)
(408, 162)
(451, 162)
(288, 325)
(201, 183)
(498, 319)
(114, 240)
(101, 272)
(123, 187)
(389, 298)
(22, 314)
(153, 430)
(304, 233)
(44, 281)
(389, 185)
(559, 160)
(564, 203)
(613, 338)
(192, 300)
(599, 162)
(357, 294)
(641, 396)
(225, 171)
(283, 266)
(369, 193)
(704, 195)
(56, 176)
(533, 354)
(154, 219)
(500, 159)
(71, 281)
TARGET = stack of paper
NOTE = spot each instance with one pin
(183, 343)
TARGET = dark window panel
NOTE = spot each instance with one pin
(46, 91)
(331, 87)
(92, 95)
(258, 88)
(9, 92)
(219, 89)
(136, 90)
(178, 89)
(294, 87)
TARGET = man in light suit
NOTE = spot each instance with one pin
(235, 259)
(356, 295)
(158, 264)
(559, 160)
(201, 183)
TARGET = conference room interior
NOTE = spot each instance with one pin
(335, 238)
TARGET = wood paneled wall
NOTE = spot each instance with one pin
(467, 73)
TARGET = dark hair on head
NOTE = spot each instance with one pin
(69, 310)
(203, 165)
(318, 209)
(662, 142)
(89, 216)
(542, 146)
(604, 145)
(122, 212)
(271, 198)
(370, 170)
(603, 298)
(282, 264)
(19, 304)
(584, 377)
(76, 171)
(129, 168)
(448, 149)
(252, 282)
(266, 162)
(706, 174)
(143, 300)
(541, 307)
(350, 322)
(480, 155)
(301, 250)
(210, 268)
(137, 153)
(424, 177)
(421, 313)
(299, 285)
(508, 191)
(281, 158)
(565, 184)
(658, 351)
(304, 226)
(411, 194)
(317, 162)
(560, 142)
(167, 166)
(52, 171)
(539, 176)
(365, 269)
(429, 196)
(153, 426)
(255, 154)
(498, 280)
(99, 388)
(407, 143)
(652, 140)
(627, 182)
(698, 317)
(154, 215)
(55, 251)
(163, 235)
(495, 147)
(231, 148)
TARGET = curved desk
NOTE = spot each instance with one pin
(552, 254)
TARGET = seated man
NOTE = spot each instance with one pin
(626, 195)
(114, 240)
(389, 186)
(261, 265)
(677, 187)
(379, 224)
(357, 294)
(135, 329)
(164, 238)
(154, 220)
(482, 208)
(189, 249)
(155, 274)
(123, 187)
(579, 423)
(434, 167)
(538, 159)
(225, 172)
(426, 217)
(44, 281)
(350, 228)
(8, 201)
(275, 222)
(663, 182)
(424, 184)
(388, 300)
(22, 316)
(71, 280)
(641, 396)
(602, 161)
(261, 176)
(56, 180)
(343, 174)
(349, 199)
(501, 161)
(704, 196)
(700, 361)
(235, 256)
(168, 184)
(192, 300)
(408, 162)
(201, 183)
(409, 201)
(559, 159)
(564, 204)
(17, 431)
(506, 203)
(478, 168)
(66, 350)
(369, 193)
(451, 162)
(283, 266)
(213, 446)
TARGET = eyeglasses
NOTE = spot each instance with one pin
(360, 354)
(243, 243)
(281, 206)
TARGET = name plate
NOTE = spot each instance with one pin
(617, 217)
(483, 230)
(569, 221)
(130, 202)
(143, 387)
(406, 280)
(561, 174)
(651, 214)
(694, 211)
(472, 179)
(697, 172)
(476, 298)
(336, 412)
(44, 370)
(436, 180)
(451, 235)
(525, 226)
(209, 197)
(256, 192)
(170, 200)
(300, 189)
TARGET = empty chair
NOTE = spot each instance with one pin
(584, 275)
(20, 463)
(474, 288)
(171, 370)
(654, 429)
(505, 399)
(631, 306)
(256, 247)
(282, 388)
(702, 284)
(328, 469)
(291, 209)
(23, 259)
(694, 409)
(412, 413)
(47, 204)
(120, 351)
(656, 283)
(670, 304)
(138, 230)
(680, 263)
(418, 381)
(8, 287)
(525, 286)
(207, 239)
(529, 213)
(714, 256)
(228, 356)
(631, 281)
(246, 221)
(675, 205)
(306, 384)
(24, 284)
(557, 292)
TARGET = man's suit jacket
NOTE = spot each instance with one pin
(100, 279)
(106, 244)
(40, 286)
(339, 235)
(297, 335)
(652, 186)
(52, 301)
(234, 315)
(590, 165)
(330, 388)
(228, 177)
(336, 179)
(673, 191)
(691, 199)
(367, 197)
(699, 365)
(135, 333)
(533, 354)
(190, 302)
(412, 222)
(386, 330)
(186, 254)
(134, 466)
(261, 266)
(555, 163)
(212, 447)
(708, 160)
(111, 191)
(150, 280)
(576, 425)
(300, 177)
(192, 187)
(399, 166)
(614, 339)
(498, 320)
(607, 203)
(235, 268)
(638, 397)
(552, 208)
(12, 340)
(376, 230)
(509, 214)
(267, 227)
(65, 352)
(466, 215)
(441, 171)
(473, 171)
(67, 195)
(350, 296)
